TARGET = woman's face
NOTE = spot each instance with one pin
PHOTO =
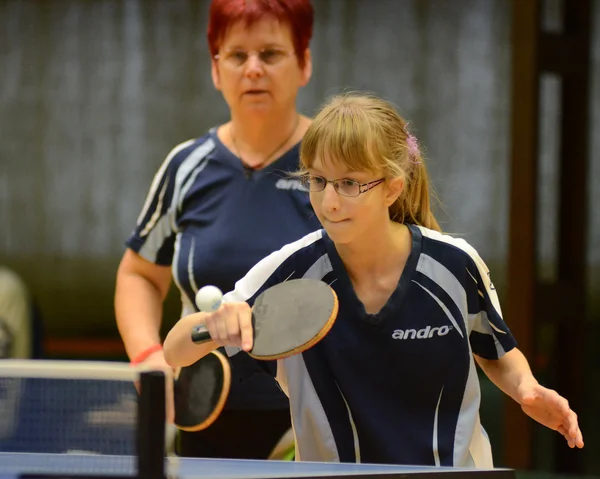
(257, 70)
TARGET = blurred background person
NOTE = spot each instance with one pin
(20, 332)
(16, 316)
(223, 201)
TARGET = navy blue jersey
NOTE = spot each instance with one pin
(399, 386)
(211, 221)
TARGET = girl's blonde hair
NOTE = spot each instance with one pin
(366, 133)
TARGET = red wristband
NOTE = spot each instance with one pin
(141, 357)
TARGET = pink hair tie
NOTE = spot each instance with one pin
(413, 149)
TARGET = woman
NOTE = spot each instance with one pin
(223, 201)
(394, 381)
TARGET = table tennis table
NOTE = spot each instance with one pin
(63, 466)
(151, 461)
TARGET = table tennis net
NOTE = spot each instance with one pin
(67, 407)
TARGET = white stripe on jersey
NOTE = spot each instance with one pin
(443, 308)
(247, 287)
(444, 278)
(483, 273)
(190, 266)
(471, 445)
(479, 322)
(467, 248)
(158, 177)
(353, 426)
(161, 225)
(155, 239)
(156, 215)
(434, 445)
(187, 307)
(194, 159)
(320, 268)
(312, 432)
(190, 182)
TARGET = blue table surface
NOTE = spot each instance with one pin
(12, 464)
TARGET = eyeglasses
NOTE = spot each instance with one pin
(267, 56)
(343, 186)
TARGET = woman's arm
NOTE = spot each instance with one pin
(141, 288)
(140, 291)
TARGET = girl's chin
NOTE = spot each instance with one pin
(339, 235)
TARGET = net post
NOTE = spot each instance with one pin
(151, 426)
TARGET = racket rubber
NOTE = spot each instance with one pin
(200, 392)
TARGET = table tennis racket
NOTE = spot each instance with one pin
(287, 318)
(200, 391)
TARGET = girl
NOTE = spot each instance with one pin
(395, 379)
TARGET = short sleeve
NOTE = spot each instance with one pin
(489, 336)
(154, 235)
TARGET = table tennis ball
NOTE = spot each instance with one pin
(208, 298)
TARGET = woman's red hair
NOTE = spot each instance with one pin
(298, 14)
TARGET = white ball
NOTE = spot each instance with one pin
(208, 298)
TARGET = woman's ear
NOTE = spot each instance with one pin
(216, 77)
(307, 70)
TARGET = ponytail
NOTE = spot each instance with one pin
(414, 204)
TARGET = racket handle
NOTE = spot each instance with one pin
(200, 335)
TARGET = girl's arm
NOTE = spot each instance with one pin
(512, 374)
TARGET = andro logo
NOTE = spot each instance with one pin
(424, 333)
(289, 184)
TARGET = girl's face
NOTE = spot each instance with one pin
(347, 219)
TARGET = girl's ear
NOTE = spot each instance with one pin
(394, 189)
